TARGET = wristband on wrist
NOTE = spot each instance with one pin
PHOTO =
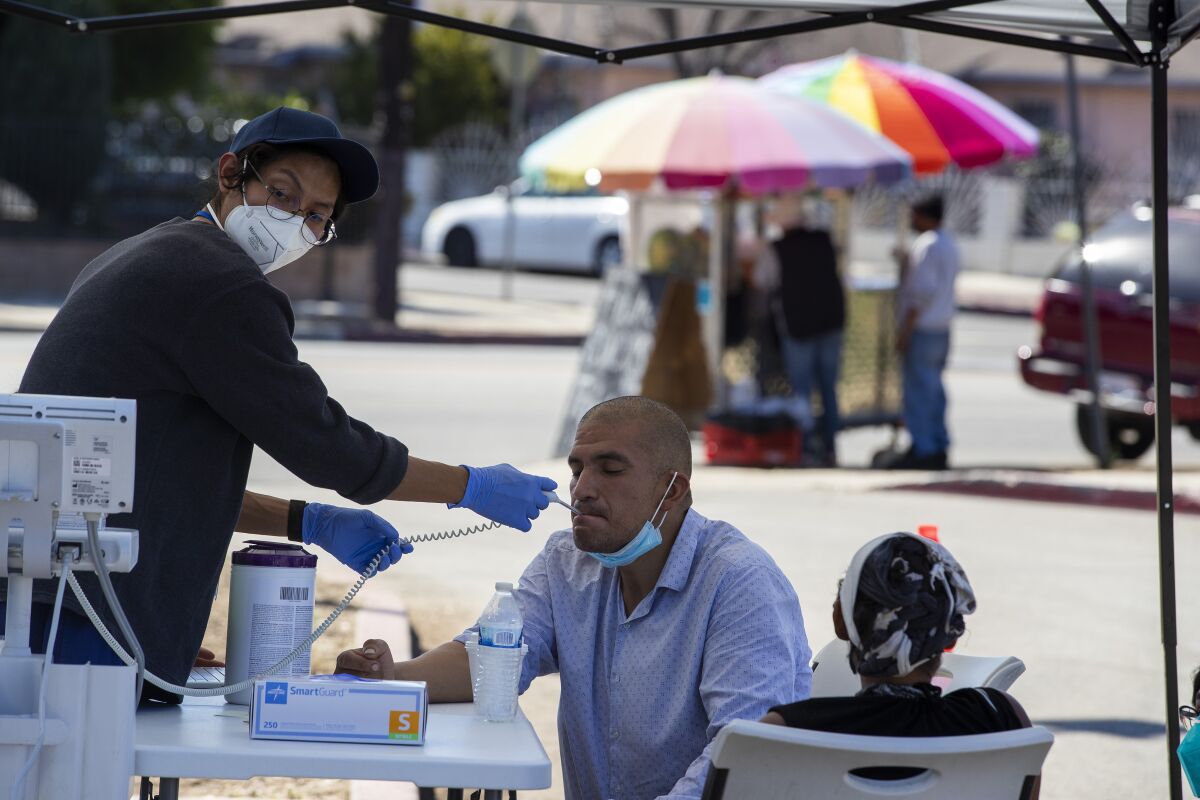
(295, 520)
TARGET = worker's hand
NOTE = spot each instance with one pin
(506, 495)
(207, 658)
(353, 535)
(372, 660)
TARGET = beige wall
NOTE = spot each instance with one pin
(1115, 119)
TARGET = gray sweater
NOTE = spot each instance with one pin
(179, 319)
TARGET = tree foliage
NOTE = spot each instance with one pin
(156, 63)
(56, 93)
(453, 82)
(61, 90)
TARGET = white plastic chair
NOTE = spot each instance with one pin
(961, 670)
(831, 672)
(764, 762)
(832, 676)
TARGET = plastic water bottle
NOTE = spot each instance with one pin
(499, 656)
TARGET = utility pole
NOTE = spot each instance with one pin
(395, 103)
(1095, 418)
(911, 45)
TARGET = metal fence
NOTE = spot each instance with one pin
(65, 178)
(869, 381)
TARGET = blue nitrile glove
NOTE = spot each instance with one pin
(352, 535)
(506, 495)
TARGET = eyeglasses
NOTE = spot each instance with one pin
(318, 228)
(1187, 717)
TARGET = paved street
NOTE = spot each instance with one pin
(1072, 590)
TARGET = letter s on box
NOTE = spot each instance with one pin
(403, 721)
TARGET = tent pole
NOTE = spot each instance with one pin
(1162, 410)
(1121, 35)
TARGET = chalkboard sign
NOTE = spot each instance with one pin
(615, 353)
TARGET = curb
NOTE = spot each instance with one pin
(443, 337)
(996, 310)
(359, 330)
(1037, 492)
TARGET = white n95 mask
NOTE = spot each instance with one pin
(271, 243)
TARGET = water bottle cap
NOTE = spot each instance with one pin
(503, 586)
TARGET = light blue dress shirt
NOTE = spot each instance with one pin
(719, 638)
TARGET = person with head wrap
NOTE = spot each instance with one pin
(901, 605)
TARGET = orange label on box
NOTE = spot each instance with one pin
(404, 724)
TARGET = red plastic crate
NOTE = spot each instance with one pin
(727, 446)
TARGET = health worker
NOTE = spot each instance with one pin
(182, 319)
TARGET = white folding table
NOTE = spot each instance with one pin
(194, 740)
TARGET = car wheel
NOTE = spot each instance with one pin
(459, 248)
(1129, 435)
(608, 254)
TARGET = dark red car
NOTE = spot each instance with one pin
(1120, 255)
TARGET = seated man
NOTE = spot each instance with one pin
(900, 606)
(657, 644)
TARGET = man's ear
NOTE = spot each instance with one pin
(679, 490)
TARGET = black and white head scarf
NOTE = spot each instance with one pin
(903, 601)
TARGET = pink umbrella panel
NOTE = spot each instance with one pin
(937, 119)
(714, 132)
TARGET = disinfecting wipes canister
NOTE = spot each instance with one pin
(271, 593)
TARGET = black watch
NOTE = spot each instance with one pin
(295, 523)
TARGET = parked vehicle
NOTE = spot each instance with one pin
(1121, 258)
(574, 232)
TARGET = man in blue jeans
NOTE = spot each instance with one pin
(799, 272)
(925, 310)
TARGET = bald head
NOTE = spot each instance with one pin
(663, 435)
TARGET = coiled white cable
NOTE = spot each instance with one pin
(443, 535)
(282, 664)
(215, 691)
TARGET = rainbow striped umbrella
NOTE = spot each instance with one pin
(933, 117)
(710, 133)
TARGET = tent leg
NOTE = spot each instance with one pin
(1162, 412)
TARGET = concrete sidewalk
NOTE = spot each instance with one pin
(1131, 488)
(458, 318)
(993, 293)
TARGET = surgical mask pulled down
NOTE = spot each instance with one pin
(648, 538)
(271, 242)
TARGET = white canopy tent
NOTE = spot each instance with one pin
(1142, 33)
(1076, 18)
(1126, 30)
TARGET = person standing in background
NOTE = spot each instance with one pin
(799, 273)
(925, 311)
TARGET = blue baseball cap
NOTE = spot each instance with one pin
(291, 126)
